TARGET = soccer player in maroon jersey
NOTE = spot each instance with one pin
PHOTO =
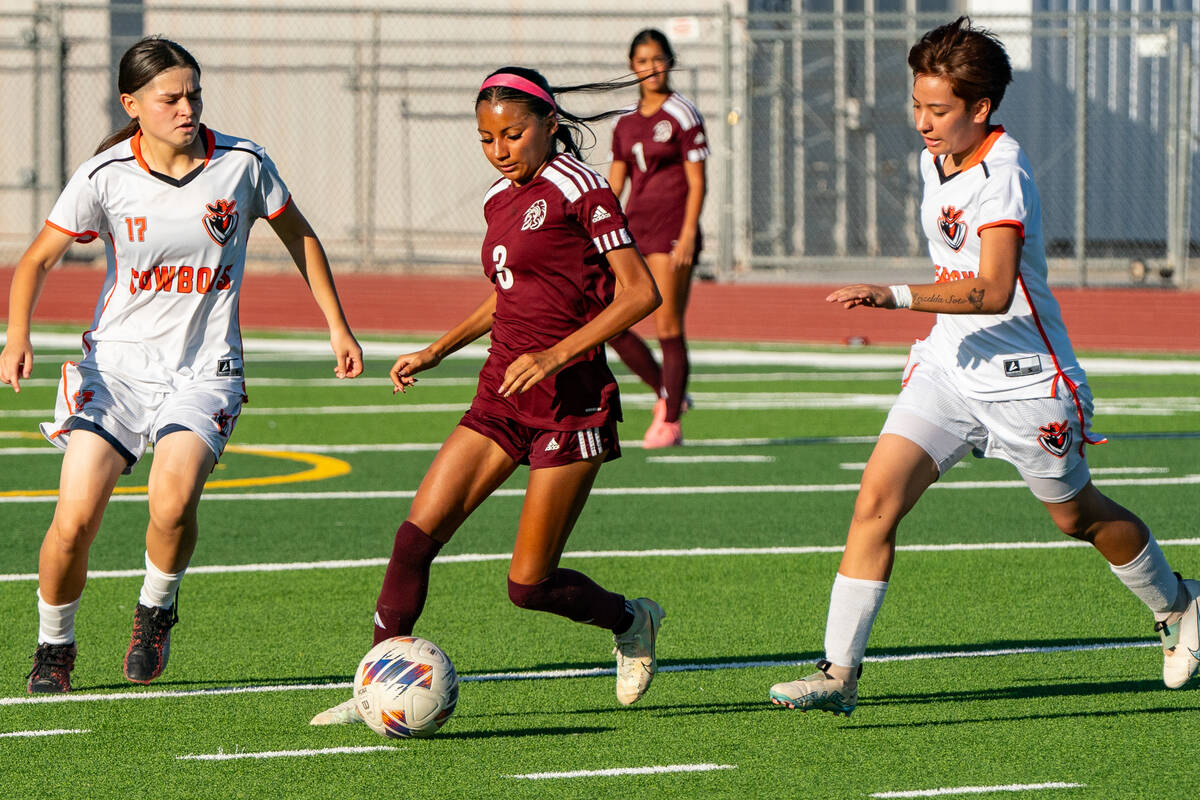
(567, 278)
(661, 147)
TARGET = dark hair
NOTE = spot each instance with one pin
(141, 64)
(571, 127)
(655, 36)
(972, 60)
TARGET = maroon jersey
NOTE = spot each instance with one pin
(544, 252)
(654, 148)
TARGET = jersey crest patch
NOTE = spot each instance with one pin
(953, 229)
(221, 221)
(662, 131)
(535, 215)
(1055, 438)
(600, 214)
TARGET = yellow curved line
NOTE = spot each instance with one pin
(320, 468)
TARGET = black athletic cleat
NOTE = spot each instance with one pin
(52, 665)
(150, 644)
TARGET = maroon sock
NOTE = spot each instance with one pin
(572, 595)
(637, 356)
(405, 583)
(675, 374)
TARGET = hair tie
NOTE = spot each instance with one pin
(525, 85)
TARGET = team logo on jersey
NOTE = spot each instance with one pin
(221, 220)
(535, 215)
(600, 214)
(662, 131)
(81, 399)
(224, 422)
(953, 229)
(1055, 438)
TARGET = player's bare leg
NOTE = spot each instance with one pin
(1136, 559)
(466, 470)
(182, 464)
(897, 474)
(553, 502)
(90, 469)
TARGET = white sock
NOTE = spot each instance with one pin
(56, 624)
(853, 604)
(158, 588)
(1149, 576)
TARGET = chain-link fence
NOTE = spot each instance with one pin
(368, 113)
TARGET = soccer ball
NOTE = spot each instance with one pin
(406, 686)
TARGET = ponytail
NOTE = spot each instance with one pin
(142, 63)
(572, 128)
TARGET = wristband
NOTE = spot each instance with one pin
(902, 295)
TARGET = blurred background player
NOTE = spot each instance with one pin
(660, 146)
(174, 202)
(566, 278)
(997, 374)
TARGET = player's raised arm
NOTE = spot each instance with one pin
(305, 248)
(16, 360)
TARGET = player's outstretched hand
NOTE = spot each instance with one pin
(16, 362)
(348, 352)
(863, 294)
(527, 370)
(410, 364)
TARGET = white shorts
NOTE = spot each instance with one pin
(131, 415)
(1042, 437)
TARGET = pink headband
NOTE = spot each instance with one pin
(520, 84)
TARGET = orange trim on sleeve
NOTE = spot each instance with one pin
(995, 133)
(210, 143)
(1002, 223)
(282, 208)
(83, 238)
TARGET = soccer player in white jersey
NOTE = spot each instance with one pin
(162, 363)
(996, 375)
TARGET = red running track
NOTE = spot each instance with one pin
(1145, 320)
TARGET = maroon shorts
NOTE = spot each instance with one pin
(539, 447)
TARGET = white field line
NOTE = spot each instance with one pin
(710, 459)
(627, 491)
(693, 552)
(694, 379)
(562, 674)
(59, 732)
(1012, 787)
(745, 401)
(617, 771)
(326, 751)
(253, 346)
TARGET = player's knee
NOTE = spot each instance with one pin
(72, 533)
(533, 597)
(876, 503)
(171, 510)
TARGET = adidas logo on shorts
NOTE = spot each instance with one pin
(553, 445)
(599, 215)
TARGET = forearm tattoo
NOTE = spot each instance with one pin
(974, 298)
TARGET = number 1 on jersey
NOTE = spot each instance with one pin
(504, 276)
(639, 154)
(140, 224)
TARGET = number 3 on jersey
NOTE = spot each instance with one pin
(504, 276)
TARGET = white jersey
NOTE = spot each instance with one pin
(176, 254)
(1019, 354)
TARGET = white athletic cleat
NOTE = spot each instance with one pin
(1181, 641)
(342, 714)
(635, 651)
(820, 690)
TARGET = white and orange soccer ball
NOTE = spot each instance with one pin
(406, 686)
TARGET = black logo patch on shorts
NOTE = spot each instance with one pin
(1023, 365)
(1055, 438)
(229, 368)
